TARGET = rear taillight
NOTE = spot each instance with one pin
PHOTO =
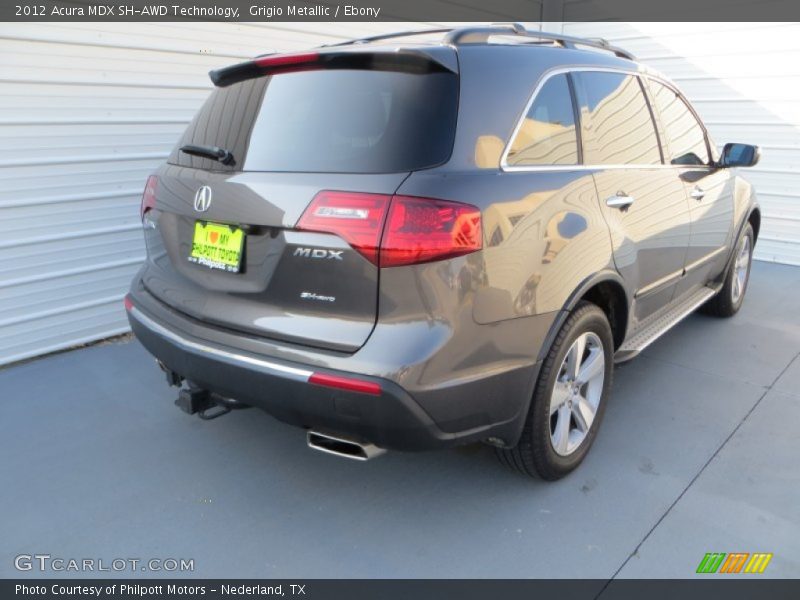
(355, 217)
(148, 196)
(420, 230)
(391, 231)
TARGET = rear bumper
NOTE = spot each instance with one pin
(392, 420)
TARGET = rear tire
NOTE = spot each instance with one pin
(569, 399)
(729, 299)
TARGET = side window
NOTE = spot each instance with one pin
(685, 136)
(616, 123)
(547, 135)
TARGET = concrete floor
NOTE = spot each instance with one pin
(698, 453)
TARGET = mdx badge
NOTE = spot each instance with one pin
(318, 253)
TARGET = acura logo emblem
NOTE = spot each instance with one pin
(202, 199)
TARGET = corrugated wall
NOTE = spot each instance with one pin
(743, 78)
(87, 111)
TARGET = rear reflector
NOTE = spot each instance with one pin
(345, 383)
(127, 303)
(393, 231)
(148, 196)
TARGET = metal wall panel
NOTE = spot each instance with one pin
(87, 111)
(743, 80)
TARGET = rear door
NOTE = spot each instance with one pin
(317, 156)
(643, 201)
(710, 190)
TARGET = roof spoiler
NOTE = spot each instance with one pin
(405, 61)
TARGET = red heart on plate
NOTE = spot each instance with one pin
(213, 236)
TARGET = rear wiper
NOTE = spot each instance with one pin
(213, 152)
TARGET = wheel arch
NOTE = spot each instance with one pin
(754, 218)
(605, 289)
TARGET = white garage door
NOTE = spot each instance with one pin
(87, 111)
(744, 79)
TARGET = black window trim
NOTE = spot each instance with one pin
(653, 120)
(576, 115)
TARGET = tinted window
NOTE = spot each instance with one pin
(685, 137)
(547, 135)
(329, 121)
(617, 126)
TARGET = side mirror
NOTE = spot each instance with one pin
(739, 155)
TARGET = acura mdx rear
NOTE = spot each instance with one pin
(413, 246)
(294, 264)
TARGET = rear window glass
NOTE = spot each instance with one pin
(328, 121)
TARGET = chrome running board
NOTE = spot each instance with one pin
(661, 323)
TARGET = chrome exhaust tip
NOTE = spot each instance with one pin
(341, 447)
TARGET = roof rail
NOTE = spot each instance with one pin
(481, 35)
(457, 36)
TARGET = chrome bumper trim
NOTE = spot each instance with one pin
(229, 357)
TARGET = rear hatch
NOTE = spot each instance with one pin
(277, 237)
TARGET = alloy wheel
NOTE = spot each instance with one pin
(742, 269)
(577, 393)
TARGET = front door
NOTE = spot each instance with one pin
(709, 190)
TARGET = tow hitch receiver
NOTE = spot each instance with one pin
(193, 400)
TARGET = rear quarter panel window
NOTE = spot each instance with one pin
(547, 134)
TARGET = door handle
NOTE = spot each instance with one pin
(621, 201)
(697, 193)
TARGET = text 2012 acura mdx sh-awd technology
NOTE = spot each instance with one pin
(404, 246)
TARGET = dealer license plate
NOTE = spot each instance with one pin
(217, 246)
